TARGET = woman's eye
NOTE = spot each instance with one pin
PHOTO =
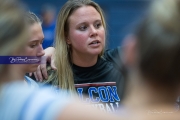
(32, 46)
(98, 25)
(82, 28)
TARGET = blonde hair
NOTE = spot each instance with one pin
(64, 75)
(32, 18)
(159, 42)
(13, 30)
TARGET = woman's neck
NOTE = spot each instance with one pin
(84, 61)
(12, 74)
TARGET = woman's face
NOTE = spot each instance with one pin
(86, 32)
(34, 45)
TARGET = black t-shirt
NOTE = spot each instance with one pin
(102, 84)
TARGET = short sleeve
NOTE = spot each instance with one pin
(22, 103)
(114, 56)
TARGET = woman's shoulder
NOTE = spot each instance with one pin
(115, 57)
(113, 53)
(29, 100)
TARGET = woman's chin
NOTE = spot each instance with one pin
(32, 68)
(96, 52)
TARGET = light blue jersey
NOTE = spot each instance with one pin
(19, 102)
(31, 82)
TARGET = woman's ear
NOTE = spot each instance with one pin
(68, 40)
(129, 50)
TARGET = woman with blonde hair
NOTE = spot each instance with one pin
(32, 50)
(82, 63)
(33, 47)
(19, 102)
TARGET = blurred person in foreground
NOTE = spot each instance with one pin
(151, 56)
(19, 102)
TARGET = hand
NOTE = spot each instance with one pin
(41, 71)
